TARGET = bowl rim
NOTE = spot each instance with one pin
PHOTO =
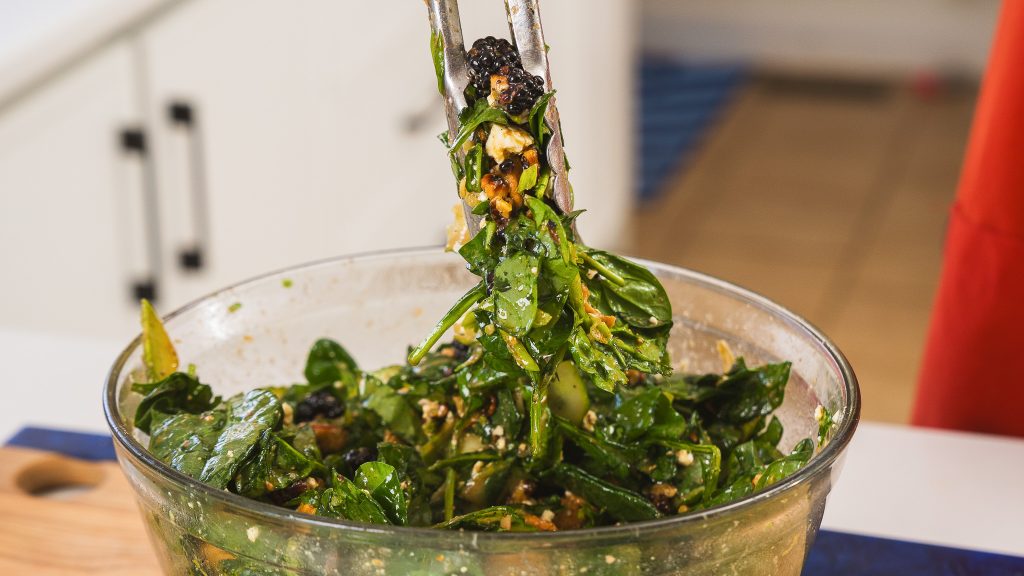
(847, 424)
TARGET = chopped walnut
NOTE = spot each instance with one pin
(539, 523)
(661, 495)
(522, 492)
(589, 419)
(571, 516)
(432, 409)
(608, 321)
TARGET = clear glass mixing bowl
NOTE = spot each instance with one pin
(376, 305)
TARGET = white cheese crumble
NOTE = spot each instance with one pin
(503, 140)
(252, 533)
(684, 457)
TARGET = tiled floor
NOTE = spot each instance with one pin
(831, 200)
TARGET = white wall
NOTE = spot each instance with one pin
(890, 36)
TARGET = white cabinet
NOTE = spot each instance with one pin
(279, 132)
(318, 123)
(65, 187)
(305, 131)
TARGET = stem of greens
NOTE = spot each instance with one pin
(449, 494)
(604, 271)
(539, 413)
(461, 307)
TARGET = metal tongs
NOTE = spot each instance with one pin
(528, 38)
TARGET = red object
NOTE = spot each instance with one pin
(972, 375)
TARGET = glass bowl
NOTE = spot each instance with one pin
(258, 333)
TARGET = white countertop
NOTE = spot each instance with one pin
(937, 487)
(40, 37)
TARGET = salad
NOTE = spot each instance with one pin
(553, 407)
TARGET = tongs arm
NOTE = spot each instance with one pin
(528, 36)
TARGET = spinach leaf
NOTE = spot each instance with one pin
(248, 417)
(746, 394)
(275, 466)
(175, 394)
(474, 168)
(158, 354)
(477, 254)
(538, 125)
(184, 441)
(347, 501)
(437, 57)
(528, 179)
(544, 340)
(649, 415)
(507, 414)
(786, 466)
(515, 293)
(382, 482)
(639, 299)
(545, 218)
(329, 362)
(595, 361)
(496, 352)
(608, 456)
(396, 412)
(619, 503)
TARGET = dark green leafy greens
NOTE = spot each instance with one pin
(461, 440)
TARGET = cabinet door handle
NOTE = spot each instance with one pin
(194, 245)
(142, 215)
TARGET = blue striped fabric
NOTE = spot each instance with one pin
(678, 103)
(841, 554)
(80, 445)
(833, 554)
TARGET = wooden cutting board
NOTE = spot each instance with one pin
(63, 516)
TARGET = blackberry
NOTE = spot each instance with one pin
(356, 457)
(321, 403)
(522, 91)
(518, 90)
(488, 56)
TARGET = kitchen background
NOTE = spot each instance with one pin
(166, 148)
